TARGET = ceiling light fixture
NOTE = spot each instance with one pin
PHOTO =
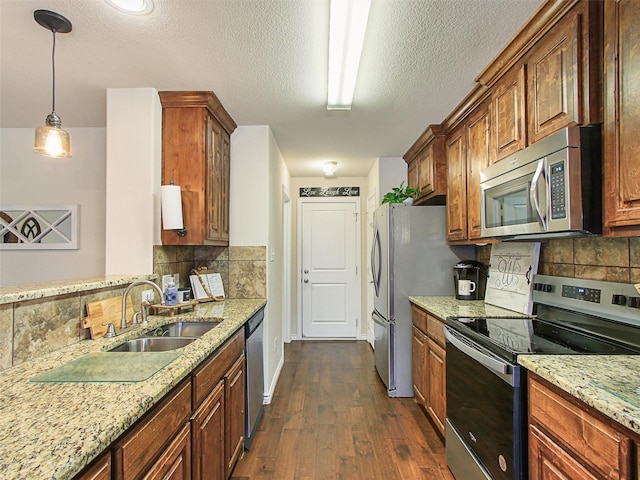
(51, 140)
(347, 26)
(136, 7)
(329, 169)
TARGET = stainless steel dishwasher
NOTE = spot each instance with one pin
(255, 375)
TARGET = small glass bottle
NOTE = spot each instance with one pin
(171, 294)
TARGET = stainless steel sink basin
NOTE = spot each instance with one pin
(183, 329)
(153, 344)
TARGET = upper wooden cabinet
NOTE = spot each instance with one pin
(427, 166)
(622, 118)
(508, 113)
(456, 151)
(196, 132)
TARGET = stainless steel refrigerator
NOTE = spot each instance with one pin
(409, 256)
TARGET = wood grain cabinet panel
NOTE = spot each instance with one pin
(588, 440)
(234, 385)
(196, 132)
(437, 391)
(419, 367)
(456, 152)
(100, 469)
(175, 462)
(207, 425)
(509, 119)
(479, 156)
(622, 117)
(554, 80)
(412, 175)
(427, 165)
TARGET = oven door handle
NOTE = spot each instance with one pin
(488, 361)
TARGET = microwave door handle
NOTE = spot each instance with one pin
(533, 194)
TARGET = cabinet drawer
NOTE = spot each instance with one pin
(419, 318)
(207, 376)
(134, 453)
(435, 329)
(596, 443)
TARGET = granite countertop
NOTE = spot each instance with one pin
(444, 307)
(53, 430)
(33, 291)
(608, 383)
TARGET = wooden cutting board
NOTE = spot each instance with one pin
(106, 311)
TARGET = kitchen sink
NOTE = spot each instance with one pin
(153, 344)
(183, 329)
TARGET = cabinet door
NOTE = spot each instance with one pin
(509, 120)
(419, 359)
(412, 176)
(234, 386)
(549, 461)
(437, 393)
(207, 425)
(214, 179)
(100, 470)
(479, 155)
(554, 80)
(622, 117)
(456, 152)
(225, 187)
(426, 167)
(175, 462)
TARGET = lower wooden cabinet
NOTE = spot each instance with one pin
(100, 469)
(175, 462)
(429, 366)
(207, 429)
(568, 440)
(234, 413)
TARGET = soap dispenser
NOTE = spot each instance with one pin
(171, 294)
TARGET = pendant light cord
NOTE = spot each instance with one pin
(53, 69)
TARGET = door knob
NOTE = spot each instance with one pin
(306, 280)
(306, 271)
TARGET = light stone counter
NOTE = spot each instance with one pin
(608, 383)
(444, 307)
(33, 291)
(53, 430)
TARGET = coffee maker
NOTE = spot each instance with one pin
(470, 280)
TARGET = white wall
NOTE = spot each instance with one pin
(257, 175)
(134, 167)
(30, 179)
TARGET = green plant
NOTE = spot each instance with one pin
(399, 194)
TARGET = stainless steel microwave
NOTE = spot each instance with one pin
(552, 188)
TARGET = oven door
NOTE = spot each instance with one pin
(486, 415)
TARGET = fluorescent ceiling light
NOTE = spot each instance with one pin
(137, 7)
(347, 26)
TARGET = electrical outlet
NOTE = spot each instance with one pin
(148, 296)
(275, 344)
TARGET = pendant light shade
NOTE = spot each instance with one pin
(50, 139)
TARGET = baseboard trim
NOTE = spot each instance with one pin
(268, 395)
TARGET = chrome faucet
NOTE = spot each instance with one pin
(123, 320)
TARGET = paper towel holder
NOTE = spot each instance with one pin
(172, 209)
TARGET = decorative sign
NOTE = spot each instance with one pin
(511, 271)
(47, 227)
(329, 191)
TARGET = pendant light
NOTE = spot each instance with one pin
(51, 140)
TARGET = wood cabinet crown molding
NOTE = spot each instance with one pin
(430, 134)
(207, 100)
(538, 24)
(466, 106)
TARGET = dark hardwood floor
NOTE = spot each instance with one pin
(330, 418)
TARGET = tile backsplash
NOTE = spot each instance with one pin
(595, 258)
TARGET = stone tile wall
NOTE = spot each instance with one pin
(597, 258)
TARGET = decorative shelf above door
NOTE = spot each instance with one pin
(41, 227)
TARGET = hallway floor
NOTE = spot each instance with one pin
(330, 418)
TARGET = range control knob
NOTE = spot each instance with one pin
(547, 288)
(618, 299)
(634, 302)
(537, 286)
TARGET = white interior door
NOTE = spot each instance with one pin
(330, 287)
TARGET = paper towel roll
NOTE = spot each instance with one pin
(171, 207)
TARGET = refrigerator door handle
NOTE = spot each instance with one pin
(376, 247)
(378, 319)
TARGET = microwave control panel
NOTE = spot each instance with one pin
(557, 184)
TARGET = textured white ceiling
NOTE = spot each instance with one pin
(266, 60)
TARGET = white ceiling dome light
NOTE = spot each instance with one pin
(136, 7)
(329, 169)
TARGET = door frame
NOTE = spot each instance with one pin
(286, 265)
(358, 259)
